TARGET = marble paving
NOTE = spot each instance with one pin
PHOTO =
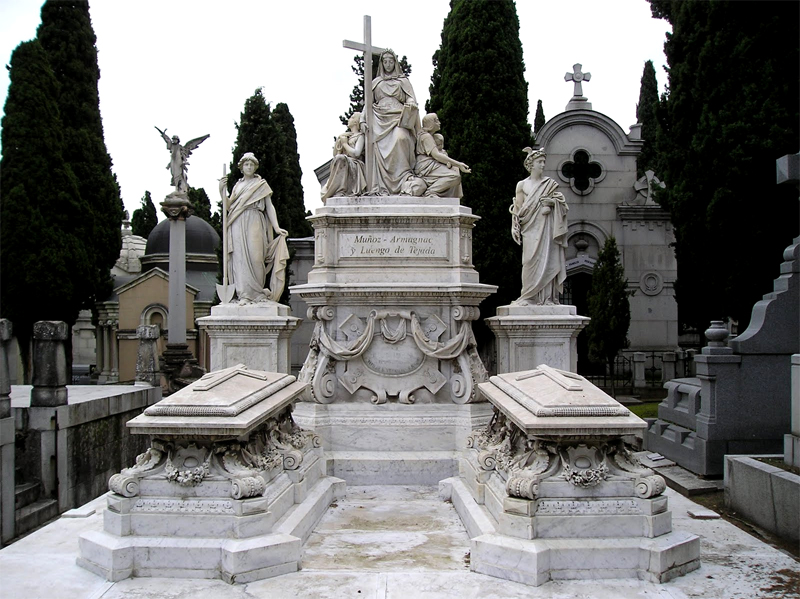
(397, 543)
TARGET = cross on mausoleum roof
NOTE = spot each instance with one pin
(577, 76)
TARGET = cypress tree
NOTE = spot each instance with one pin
(144, 219)
(609, 308)
(42, 254)
(289, 195)
(67, 37)
(730, 112)
(357, 95)
(271, 136)
(646, 116)
(201, 204)
(479, 91)
(539, 120)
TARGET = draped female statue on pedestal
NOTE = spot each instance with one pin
(254, 242)
(539, 224)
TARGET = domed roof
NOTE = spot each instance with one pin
(201, 238)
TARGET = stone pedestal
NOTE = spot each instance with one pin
(256, 335)
(548, 490)
(230, 488)
(392, 294)
(531, 335)
(49, 364)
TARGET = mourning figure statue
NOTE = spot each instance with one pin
(254, 243)
(440, 173)
(347, 167)
(539, 224)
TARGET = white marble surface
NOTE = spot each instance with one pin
(735, 565)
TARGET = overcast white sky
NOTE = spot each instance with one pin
(189, 66)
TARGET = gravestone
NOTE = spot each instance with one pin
(230, 488)
(701, 420)
(549, 490)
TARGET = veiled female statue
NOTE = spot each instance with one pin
(254, 242)
(347, 168)
(539, 224)
(394, 126)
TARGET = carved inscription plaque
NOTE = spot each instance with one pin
(389, 244)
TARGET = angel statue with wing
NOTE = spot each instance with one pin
(179, 161)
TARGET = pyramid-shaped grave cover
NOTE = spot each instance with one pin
(546, 401)
(229, 402)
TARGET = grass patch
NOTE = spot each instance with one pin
(645, 410)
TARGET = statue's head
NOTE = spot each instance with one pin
(247, 157)
(430, 122)
(532, 156)
(388, 64)
(176, 139)
(354, 119)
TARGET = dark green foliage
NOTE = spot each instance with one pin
(646, 115)
(730, 112)
(201, 205)
(478, 89)
(271, 136)
(287, 181)
(609, 308)
(144, 219)
(44, 262)
(357, 95)
(67, 37)
(539, 120)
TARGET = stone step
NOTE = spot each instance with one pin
(687, 483)
(392, 467)
(34, 515)
(26, 494)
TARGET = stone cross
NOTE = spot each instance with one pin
(577, 77)
(368, 49)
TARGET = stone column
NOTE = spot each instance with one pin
(668, 370)
(48, 393)
(49, 364)
(114, 351)
(690, 357)
(791, 442)
(179, 364)
(147, 358)
(7, 483)
(639, 379)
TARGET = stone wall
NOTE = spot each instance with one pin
(74, 449)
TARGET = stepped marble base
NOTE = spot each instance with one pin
(528, 336)
(256, 335)
(392, 444)
(211, 537)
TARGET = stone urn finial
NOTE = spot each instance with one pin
(717, 334)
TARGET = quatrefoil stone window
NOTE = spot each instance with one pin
(582, 172)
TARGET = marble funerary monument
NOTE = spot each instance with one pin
(244, 462)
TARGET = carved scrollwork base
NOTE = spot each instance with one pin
(525, 462)
(278, 444)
